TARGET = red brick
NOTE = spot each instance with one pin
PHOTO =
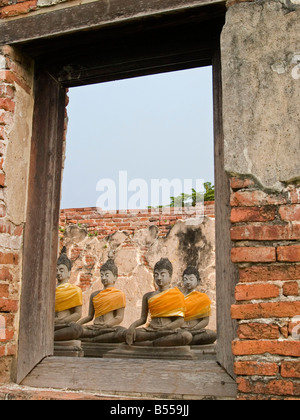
(290, 289)
(281, 348)
(256, 291)
(289, 253)
(7, 76)
(5, 228)
(5, 274)
(85, 281)
(18, 231)
(258, 331)
(270, 272)
(265, 232)
(255, 368)
(6, 118)
(7, 336)
(89, 261)
(11, 349)
(253, 214)
(253, 254)
(255, 198)
(268, 390)
(7, 91)
(294, 195)
(7, 104)
(8, 305)
(4, 292)
(2, 180)
(294, 327)
(290, 369)
(2, 353)
(238, 183)
(8, 258)
(265, 310)
(290, 213)
(18, 9)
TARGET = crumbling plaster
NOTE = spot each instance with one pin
(261, 91)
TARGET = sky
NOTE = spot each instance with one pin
(125, 137)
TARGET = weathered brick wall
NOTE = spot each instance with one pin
(266, 235)
(16, 106)
(137, 239)
(129, 221)
(261, 129)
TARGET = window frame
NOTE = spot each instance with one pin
(152, 49)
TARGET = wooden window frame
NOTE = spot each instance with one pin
(89, 46)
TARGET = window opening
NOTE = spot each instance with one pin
(133, 148)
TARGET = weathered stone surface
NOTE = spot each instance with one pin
(16, 166)
(136, 255)
(261, 91)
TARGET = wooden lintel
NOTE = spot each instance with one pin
(92, 16)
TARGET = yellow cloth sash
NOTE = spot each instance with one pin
(108, 300)
(67, 296)
(167, 304)
(197, 306)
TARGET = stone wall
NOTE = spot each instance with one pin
(137, 239)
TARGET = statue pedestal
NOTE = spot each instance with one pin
(70, 348)
(97, 349)
(205, 352)
(148, 352)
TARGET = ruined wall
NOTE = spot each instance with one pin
(260, 72)
(260, 56)
(16, 109)
(137, 239)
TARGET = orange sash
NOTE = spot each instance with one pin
(167, 304)
(67, 296)
(108, 300)
(197, 306)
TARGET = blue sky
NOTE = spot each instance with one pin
(157, 126)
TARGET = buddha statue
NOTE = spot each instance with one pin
(167, 308)
(198, 309)
(68, 297)
(106, 310)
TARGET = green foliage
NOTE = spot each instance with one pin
(191, 200)
(209, 194)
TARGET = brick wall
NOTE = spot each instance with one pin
(266, 236)
(129, 221)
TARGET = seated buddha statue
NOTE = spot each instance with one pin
(198, 309)
(167, 309)
(68, 297)
(106, 310)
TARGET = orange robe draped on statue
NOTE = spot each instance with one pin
(167, 304)
(67, 296)
(108, 300)
(197, 306)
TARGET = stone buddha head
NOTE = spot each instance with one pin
(109, 273)
(63, 267)
(163, 271)
(191, 278)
